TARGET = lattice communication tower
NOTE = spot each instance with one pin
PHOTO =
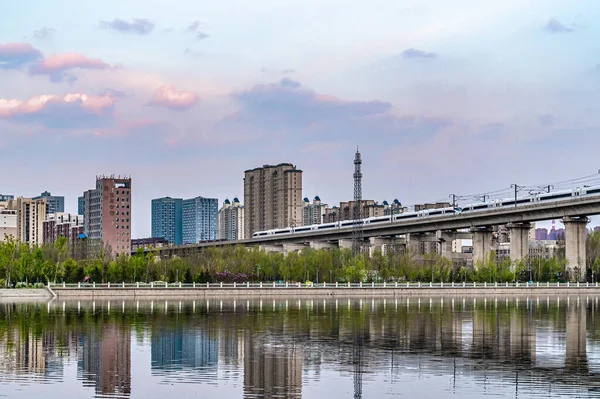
(357, 229)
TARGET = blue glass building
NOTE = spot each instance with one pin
(167, 219)
(200, 220)
(54, 203)
(80, 205)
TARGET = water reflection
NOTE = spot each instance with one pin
(511, 347)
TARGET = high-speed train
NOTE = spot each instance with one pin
(432, 213)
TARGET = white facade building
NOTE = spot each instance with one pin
(8, 224)
(312, 213)
(231, 220)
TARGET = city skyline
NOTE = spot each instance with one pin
(152, 91)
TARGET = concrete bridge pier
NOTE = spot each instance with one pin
(575, 252)
(271, 248)
(422, 243)
(446, 238)
(288, 247)
(345, 243)
(482, 241)
(378, 243)
(322, 245)
(519, 240)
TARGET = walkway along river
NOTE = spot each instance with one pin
(322, 290)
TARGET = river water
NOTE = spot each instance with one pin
(298, 348)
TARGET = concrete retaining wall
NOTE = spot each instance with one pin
(224, 293)
(25, 293)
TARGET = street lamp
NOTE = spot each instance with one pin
(317, 275)
(331, 276)
(258, 272)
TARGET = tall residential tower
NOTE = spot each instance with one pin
(167, 217)
(200, 220)
(272, 198)
(107, 214)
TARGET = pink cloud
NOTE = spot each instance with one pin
(13, 107)
(73, 110)
(168, 96)
(57, 65)
(15, 55)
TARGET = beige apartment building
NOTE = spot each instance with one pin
(272, 198)
(29, 215)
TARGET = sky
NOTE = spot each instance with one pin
(440, 97)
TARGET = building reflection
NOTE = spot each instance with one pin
(271, 348)
(271, 369)
(176, 348)
(105, 359)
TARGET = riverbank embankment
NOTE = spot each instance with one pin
(24, 294)
(313, 292)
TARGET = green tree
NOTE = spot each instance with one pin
(61, 246)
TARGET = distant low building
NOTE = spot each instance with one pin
(146, 243)
(545, 249)
(368, 208)
(437, 205)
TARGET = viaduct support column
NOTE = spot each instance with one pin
(271, 248)
(482, 240)
(575, 229)
(519, 240)
(287, 248)
(345, 243)
(446, 238)
(378, 243)
(322, 245)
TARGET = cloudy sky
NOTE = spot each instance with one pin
(441, 97)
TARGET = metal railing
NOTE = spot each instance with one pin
(288, 285)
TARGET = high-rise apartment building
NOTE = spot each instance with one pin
(231, 220)
(167, 219)
(30, 215)
(313, 213)
(200, 220)
(107, 214)
(54, 203)
(272, 198)
(394, 208)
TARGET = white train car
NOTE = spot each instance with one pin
(429, 213)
